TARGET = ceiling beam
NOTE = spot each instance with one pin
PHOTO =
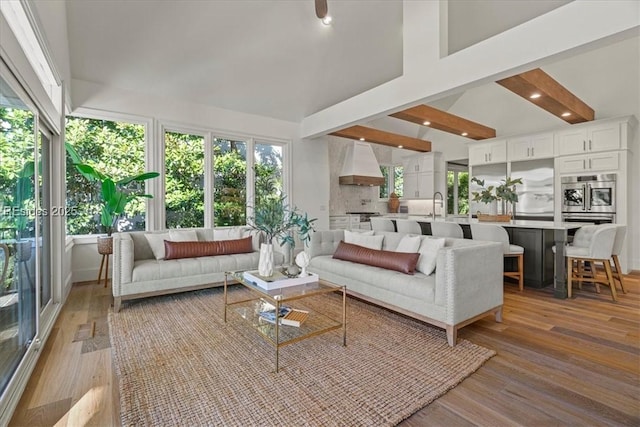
(553, 97)
(446, 122)
(381, 137)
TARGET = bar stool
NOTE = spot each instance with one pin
(599, 250)
(446, 229)
(496, 233)
(408, 226)
(621, 232)
(382, 224)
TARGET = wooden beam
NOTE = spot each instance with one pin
(553, 98)
(445, 122)
(381, 137)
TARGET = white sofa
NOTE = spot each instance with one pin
(137, 273)
(466, 285)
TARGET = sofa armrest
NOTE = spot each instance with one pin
(123, 261)
(469, 280)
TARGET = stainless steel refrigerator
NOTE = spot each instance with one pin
(535, 195)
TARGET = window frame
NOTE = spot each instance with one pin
(390, 178)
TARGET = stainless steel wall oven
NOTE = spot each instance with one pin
(589, 198)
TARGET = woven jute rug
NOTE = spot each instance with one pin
(178, 363)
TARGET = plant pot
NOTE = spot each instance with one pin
(493, 208)
(265, 264)
(105, 245)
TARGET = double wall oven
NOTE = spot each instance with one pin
(589, 198)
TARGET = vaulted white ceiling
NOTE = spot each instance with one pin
(275, 58)
(272, 58)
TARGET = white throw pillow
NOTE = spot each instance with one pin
(233, 233)
(366, 239)
(409, 244)
(156, 242)
(429, 254)
(183, 235)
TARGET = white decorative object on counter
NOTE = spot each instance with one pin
(302, 259)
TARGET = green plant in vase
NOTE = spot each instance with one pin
(114, 195)
(506, 192)
(278, 221)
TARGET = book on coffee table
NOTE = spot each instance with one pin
(294, 317)
(269, 313)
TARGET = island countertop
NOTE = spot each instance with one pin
(517, 223)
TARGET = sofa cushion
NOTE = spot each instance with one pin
(402, 262)
(195, 249)
(183, 235)
(429, 254)
(156, 242)
(366, 239)
(409, 243)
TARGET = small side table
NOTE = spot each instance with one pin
(105, 248)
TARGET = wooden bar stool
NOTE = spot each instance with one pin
(496, 233)
(599, 251)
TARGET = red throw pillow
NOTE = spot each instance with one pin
(175, 250)
(399, 261)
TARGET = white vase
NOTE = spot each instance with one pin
(265, 264)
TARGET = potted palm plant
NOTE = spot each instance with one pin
(280, 222)
(114, 195)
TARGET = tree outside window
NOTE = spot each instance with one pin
(117, 148)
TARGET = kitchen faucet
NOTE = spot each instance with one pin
(433, 211)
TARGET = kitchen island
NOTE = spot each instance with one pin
(536, 237)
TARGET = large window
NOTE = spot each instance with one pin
(457, 191)
(268, 172)
(392, 181)
(113, 148)
(184, 180)
(230, 182)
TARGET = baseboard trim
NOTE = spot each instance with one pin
(634, 273)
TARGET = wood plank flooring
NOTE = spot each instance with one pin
(559, 362)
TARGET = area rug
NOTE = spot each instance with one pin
(178, 363)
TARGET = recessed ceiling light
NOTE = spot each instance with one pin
(399, 146)
(567, 114)
(464, 134)
(361, 139)
(327, 20)
(426, 123)
(535, 96)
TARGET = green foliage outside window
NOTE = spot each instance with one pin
(116, 149)
(463, 192)
(184, 180)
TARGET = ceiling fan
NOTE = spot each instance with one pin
(322, 11)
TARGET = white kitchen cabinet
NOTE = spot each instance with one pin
(589, 139)
(530, 147)
(423, 175)
(346, 222)
(597, 162)
(484, 153)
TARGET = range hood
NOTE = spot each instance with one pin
(360, 166)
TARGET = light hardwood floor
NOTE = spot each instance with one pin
(559, 362)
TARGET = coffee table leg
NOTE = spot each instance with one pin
(344, 316)
(225, 298)
(277, 332)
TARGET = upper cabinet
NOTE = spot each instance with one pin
(483, 153)
(530, 147)
(589, 139)
(423, 175)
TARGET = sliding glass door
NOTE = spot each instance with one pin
(18, 222)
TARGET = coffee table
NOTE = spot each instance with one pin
(281, 335)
